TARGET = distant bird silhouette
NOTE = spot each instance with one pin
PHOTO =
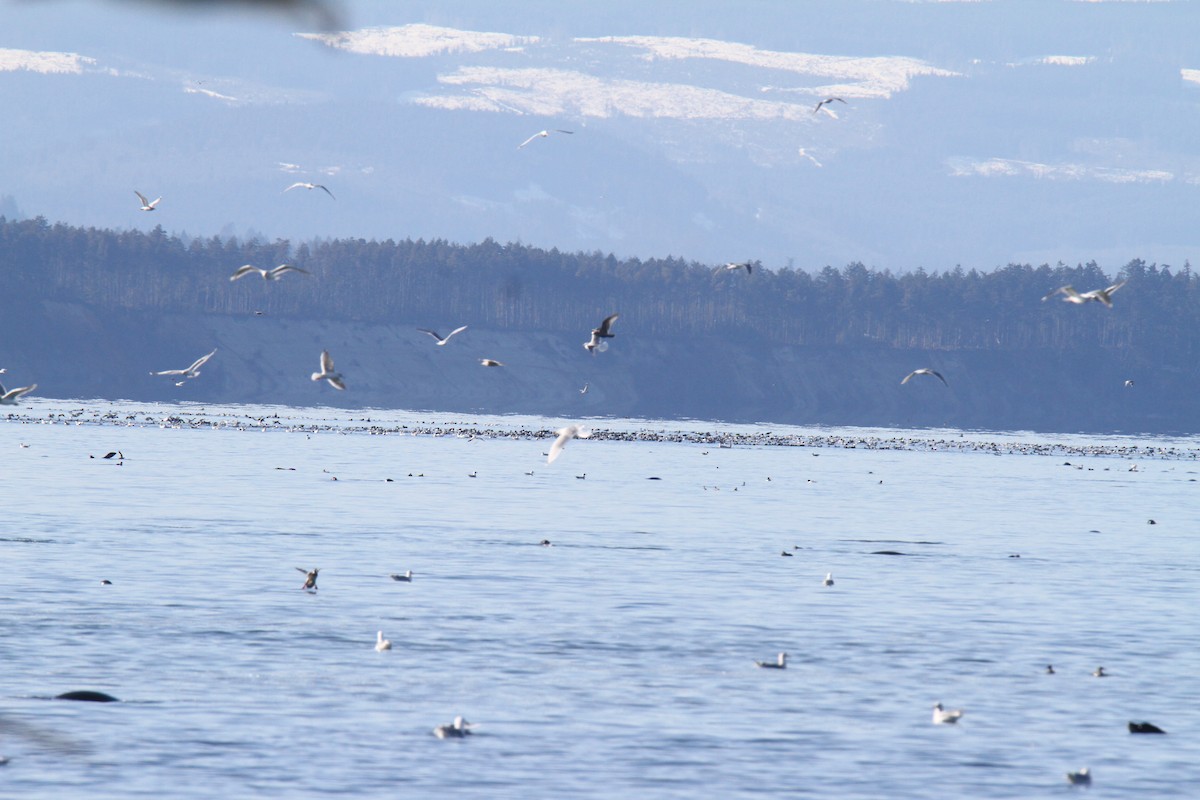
(1081, 778)
(310, 578)
(1128, 384)
(541, 135)
(189, 372)
(826, 102)
(11, 397)
(381, 643)
(584, 390)
(1144, 727)
(603, 332)
(328, 373)
(406, 577)
(828, 579)
(267, 274)
(746, 265)
(441, 340)
(487, 362)
(1100, 673)
(942, 716)
(1049, 669)
(923, 371)
(147, 205)
(310, 186)
(780, 662)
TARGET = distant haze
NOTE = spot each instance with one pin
(971, 133)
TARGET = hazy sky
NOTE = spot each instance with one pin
(973, 133)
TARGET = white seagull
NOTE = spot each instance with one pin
(488, 362)
(565, 435)
(1099, 295)
(458, 729)
(923, 371)
(267, 274)
(12, 396)
(780, 662)
(310, 186)
(441, 340)
(381, 643)
(942, 716)
(747, 265)
(541, 135)
(146, 204)
(327, 372)
(406, 577)
(191, 372)
(603, 332)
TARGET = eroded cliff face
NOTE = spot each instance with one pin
(71, 350)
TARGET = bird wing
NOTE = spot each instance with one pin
(938, 375)
(607, 324)
(560, 130)
(907, 378)
(319, 186)
(456, 330)
(15, 393)
(337, 382)
(530, 139)
(282, 268)
(1115, 286)
(326, 361)
(302, 569)
(1068, 290)
(564, 435)
(200, 362)
(434, 334)
(243, 271)
(170, 372)
(142, 197)
(296, 186)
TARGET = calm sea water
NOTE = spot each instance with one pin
(618, 662)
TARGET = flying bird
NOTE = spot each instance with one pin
(12, 396)
(309, 186)
(541, 135)
(747, 265)
(923, 371)
(487, 362)
(310, 578)
(267, 274)
(381, 643)
(327, 372)
(441, 340)
(458, 729)
(1099, 295)
(146, 204)
(565, 435)
(191, 372)
(603, 332)
(943, 716)
(826, 102)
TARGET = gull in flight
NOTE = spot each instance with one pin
(310, 578)
(487, 362)
(942, 716)
(1081, 778)
(12, 396)
(747, 265)
(441, 340)
(541, 135)
(310, 186)
(327, 372)
(191, 372)
(565, 435)
(584, 390)
(1099, 295)
(780, 662)
(267, 274)
(923, 371)
(458, 729)
(381, 643)
(825, 103)
(603, 332)
(146, 204)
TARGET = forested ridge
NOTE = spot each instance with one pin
(516, 287)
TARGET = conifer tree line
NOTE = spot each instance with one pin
(515, 287)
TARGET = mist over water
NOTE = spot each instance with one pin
(617, 662)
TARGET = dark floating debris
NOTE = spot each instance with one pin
(888, 553)
(88, 696)
(1144, 727)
